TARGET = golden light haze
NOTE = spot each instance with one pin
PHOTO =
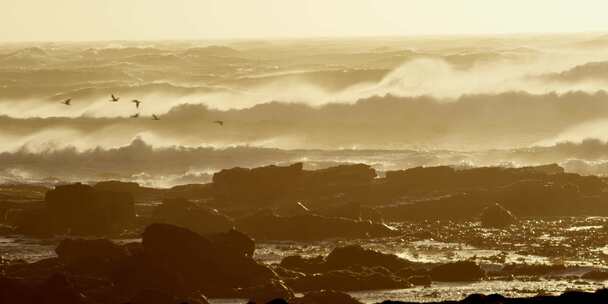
(76, 20)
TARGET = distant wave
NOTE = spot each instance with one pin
(471, 122)
(163, 167)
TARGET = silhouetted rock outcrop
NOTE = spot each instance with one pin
(82, 210)
(264, 185)
(200, 263)
(355, 255)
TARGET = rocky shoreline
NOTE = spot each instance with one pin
(199, 241)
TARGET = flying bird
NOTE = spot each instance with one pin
(155, 117)
(114, 98)
(219, 122)
(67, 102)
(137, 102)
(135, 115)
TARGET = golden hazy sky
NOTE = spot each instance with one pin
(23, 20)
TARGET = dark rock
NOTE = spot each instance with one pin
(298, 263)
(264, 185)
(268, 226)
(187, 214)
(352, 211)
(55, 289)
(233, 241)
(456, 272)
(496, 216)
(293, 209)
(95, 258)
(267, 293)
(82, 210)
(118, 186)
(70, 250)
(203, 264)
(355, 255)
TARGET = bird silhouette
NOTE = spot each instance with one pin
(137, 102)
(155, 117)
(219, 122)
(67, 102)
(114, 98)
(135, 115)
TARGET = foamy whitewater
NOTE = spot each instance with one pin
(391, 103)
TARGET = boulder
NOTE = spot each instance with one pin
(207, 264)
(496, 216)
(258, 186)
(457, 272)
(83, 210)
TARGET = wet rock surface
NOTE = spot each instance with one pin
(268, 226)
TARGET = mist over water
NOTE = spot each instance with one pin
(428, 101)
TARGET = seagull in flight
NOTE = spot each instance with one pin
(114, 98)
(135, 115)
(67, 102)
(137, 102)
(155, 117)
(219, 122)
